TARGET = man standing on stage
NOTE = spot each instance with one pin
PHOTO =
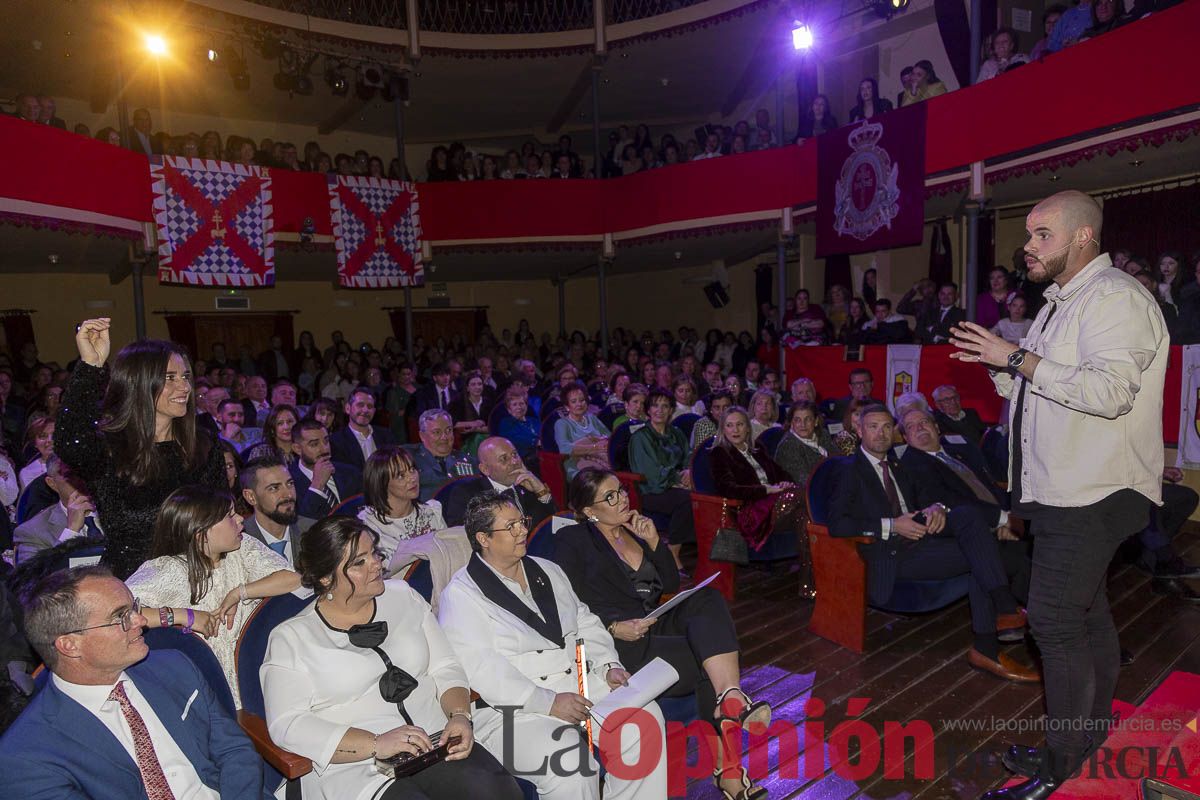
(1086, 463)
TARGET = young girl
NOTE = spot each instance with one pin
(1016, 327)
(204, 575)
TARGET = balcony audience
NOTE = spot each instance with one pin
(366, 673)
(869, 103)
(1050, 18)
(934, 326)
(114, 719)
(886, 327)
(924, 84)
(818, 118)
(1071, 26)
(992, 306)
(1015, 327)
(1005, 54)
(512, 620)
(204, 575)
(697, 637)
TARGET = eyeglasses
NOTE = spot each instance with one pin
(511, 528)
(613, 497)
(124, 621)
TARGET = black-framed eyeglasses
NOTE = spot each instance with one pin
(124, 620)
(511, 528)
(613, 497)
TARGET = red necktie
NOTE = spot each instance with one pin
(889, 488)
(147, 762)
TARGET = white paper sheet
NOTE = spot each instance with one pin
(679, 598)
(644, 685)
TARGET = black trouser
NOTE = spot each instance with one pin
(677, 504)
(686, 637)
(477, 775)
(1072, 623)
(966, 545)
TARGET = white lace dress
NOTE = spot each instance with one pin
(163, 581)
(424, 517)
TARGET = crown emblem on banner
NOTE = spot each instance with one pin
(866, 135)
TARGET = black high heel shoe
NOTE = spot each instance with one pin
(752, 713)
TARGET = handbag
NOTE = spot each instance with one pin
(729, 544)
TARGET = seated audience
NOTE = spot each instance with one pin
(952, 418)
(934, 327)
(277, 435)
(1015, 327)
(39, 437)
(746, 472)
(1171, 278)
(1169, 312)
(818, 119)
(659, 452)
(869, 101)
(920, 300)
(1050, 17)
(255, 402)
(115, 720)
(232, 464)
(1070, 26)
(991, 306)
(806, 443)
(846, 438)
(269, 490)
(391, 487)
(436, 460)
(470, 412)
(502, 471)
(1005, 54)
(886, 327)
(322, 484)
(707, 426)
(685, 402)
(324, 411)
(696, 637)
(861, 383)
(764, 412)
(1106, 15)
(231, 416)
(523, 658)
(73, 515)
(519, 426)
(579, 434)
(872, 495)
(366, 673)
(204, 575)
(355, 443)
(437, 394)
(925, 84)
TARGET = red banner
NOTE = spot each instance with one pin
(871, 184)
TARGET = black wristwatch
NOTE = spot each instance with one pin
(1017, 358)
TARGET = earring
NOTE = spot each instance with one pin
(593, 519)
(329, 596)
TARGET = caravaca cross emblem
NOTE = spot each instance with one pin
(866, 196)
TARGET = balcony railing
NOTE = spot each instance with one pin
(480, 16)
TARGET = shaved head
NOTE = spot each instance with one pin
(1064, 236)
(1074, 210)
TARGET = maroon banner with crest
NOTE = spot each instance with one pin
(871, 184)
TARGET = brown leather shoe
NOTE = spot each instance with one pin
(1007, 667)
(1011, 622)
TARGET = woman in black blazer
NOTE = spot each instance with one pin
(621, 568)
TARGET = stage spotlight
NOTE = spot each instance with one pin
(802, 37)
(888, 8)
(213, 55)
(338, 84)
(372, 76)
(156, 44)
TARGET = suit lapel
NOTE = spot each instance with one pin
(170, 711)
(616, 568)
(548, 625)
(870, 479)
(75, 722)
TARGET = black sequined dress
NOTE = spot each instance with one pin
(126, 512)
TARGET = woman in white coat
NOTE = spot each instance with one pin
(513, 621)
(365, 672)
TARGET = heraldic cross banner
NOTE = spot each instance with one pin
(871, 184)
(377, 232)
(215, 222)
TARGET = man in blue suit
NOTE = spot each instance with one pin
(116, 722)
(356, 442)
(322, 484)
(915, 537)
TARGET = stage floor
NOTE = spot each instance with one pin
(915, 669)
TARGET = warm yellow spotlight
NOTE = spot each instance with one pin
(157, 45)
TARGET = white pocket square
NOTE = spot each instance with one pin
(188, 707)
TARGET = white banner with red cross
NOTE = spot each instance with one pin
(215, 222)
(377, 232)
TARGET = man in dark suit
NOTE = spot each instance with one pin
(355, 443)
(438, 394)
(933, 327)
(28, 108)
(952, 418)
(322, 484)
(273, 363)
(116, 721)
(505, 473)
(435, 458)
(861, 384)
(47, 108)
(255, 403)
(915, 537)
(270, 490)
(886, 327)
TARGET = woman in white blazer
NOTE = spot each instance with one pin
(513, 621)
(365, 672)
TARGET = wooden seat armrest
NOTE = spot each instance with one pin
(290, 765)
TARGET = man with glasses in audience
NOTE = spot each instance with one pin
(952, 418)
(116, 721)
(437, 461)
(861, 384)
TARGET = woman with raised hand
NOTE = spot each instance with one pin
(136, 441)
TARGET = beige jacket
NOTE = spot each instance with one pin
(1092, 418)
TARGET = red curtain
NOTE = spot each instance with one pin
(1149, 223)
(181, 328)
(284, 330)
(18, 330)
